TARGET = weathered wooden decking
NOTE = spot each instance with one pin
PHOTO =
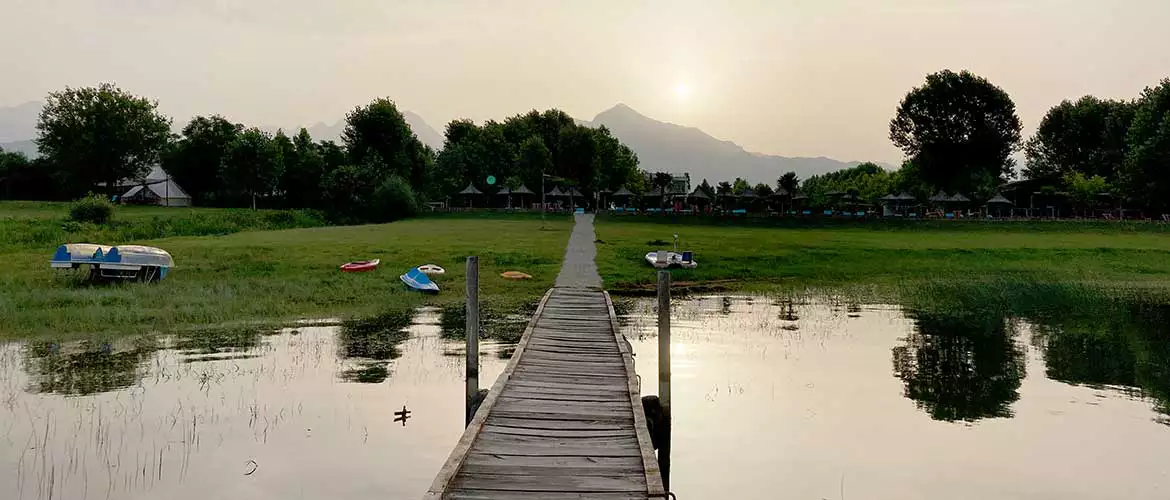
(564, 420)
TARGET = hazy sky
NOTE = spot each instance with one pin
(797, 77)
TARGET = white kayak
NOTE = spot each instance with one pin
(672, 259)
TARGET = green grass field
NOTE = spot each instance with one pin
(239, 267)
(273, 276)
(890, 258)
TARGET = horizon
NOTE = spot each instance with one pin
(271, 65)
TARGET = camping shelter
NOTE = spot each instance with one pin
(156, 188)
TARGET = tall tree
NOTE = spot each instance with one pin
(1146, 171)
(197, 159)
(959, 129)
(788, 182)
(662, 180)
(100, 134)
(253, 165)
(535, 157)
(1088, 136)
(379, 130)
(304, 167)
(740, 185)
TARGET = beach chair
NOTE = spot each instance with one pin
(687, 257)
(662, 259)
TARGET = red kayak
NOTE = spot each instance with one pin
(360, 266)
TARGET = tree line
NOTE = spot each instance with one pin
(92, 138)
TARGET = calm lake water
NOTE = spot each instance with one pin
(846, 401)
(772, 399)
(284, 416)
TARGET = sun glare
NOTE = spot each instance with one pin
(682, 91)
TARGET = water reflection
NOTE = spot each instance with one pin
(960, 366)
(233, 414)
(982, 402)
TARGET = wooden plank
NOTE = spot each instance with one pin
(473, 494)
(633, 470)
(520, 461)
(583, 484)
(492, 440)
(535, 450)
(561, 433)
(576, 423)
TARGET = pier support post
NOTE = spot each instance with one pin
(472, 334)
(664, 374)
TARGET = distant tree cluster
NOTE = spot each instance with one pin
(958, 132)
(93, 138)
(524, 147)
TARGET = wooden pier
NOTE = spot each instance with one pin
(564, 420)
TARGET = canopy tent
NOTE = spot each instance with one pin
(904, 196)
(958, 198)
(999, 206)
(522, 190)
(555, 193)
(623, 192)
(158, 188)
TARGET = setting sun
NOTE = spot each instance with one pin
(682, 91)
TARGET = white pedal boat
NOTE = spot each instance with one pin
(115, 262)
(672, 259)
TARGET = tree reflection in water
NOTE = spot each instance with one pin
(960, 367)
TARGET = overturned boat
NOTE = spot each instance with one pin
(121, 262)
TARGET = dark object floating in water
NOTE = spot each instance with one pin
(401, 416)
(360, 266)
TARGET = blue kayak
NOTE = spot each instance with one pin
(418, 281)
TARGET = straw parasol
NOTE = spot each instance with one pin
(998, 199)
(940, 197)
(469, 193)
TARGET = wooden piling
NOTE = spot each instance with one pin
(664, 374)
(472, 334)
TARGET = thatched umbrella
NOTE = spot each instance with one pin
(999, 203)
(506, 193)
(574, 193)
(698, 197)
(469, 193)
(521, 192)
(624, 194)
(940, 197)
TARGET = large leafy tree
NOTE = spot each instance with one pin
(1088, 136)
(100, 134)
(378, 132)
(197, 159)
(535, 156)
(253, 165)
(959, 129)
(1146, 171)
(304, 166)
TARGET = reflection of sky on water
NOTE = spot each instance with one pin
(170, 419)
(873, 402)
(772, 399)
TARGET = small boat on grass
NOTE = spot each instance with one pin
(431, 269)
(360, 266)
(122, 262)
(663, 259)
(418, 281)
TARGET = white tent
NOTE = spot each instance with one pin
(158, 188)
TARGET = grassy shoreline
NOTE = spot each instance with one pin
(250, 271)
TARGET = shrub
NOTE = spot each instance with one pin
(92, 208)
(393, 199)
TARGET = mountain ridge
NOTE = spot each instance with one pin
(670, 147)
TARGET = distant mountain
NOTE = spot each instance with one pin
(666, 147)
(324, 132)
(29, 148)
(19, 123)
